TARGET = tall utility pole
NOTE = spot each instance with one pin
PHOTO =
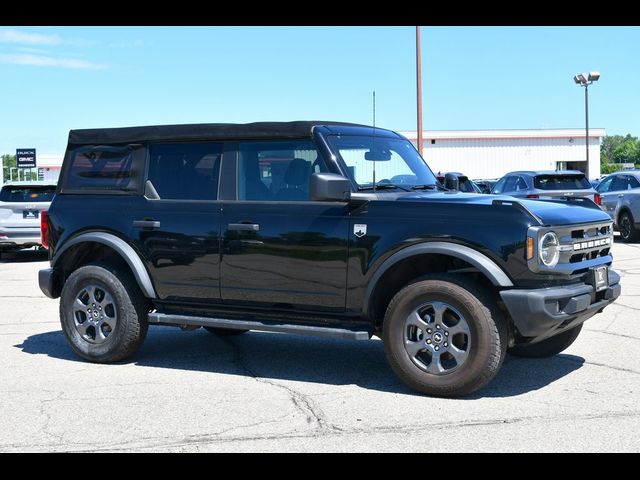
(419, 89)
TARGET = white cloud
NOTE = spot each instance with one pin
(48, 61)
(26, 38)
(37, 51)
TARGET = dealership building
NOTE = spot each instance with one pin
(492, 153)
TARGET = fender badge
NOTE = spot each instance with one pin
(360, 229)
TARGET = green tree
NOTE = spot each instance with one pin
(608, 147)
(607, 168)
(618, 149)
(8, 161)
(628, 151)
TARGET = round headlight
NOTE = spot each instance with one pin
(549, 251)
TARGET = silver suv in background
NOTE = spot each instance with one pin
(550, 185)
(620, 198)
(20, 207)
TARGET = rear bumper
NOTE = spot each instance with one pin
(49, 282)
(542, 313)
(14, 237)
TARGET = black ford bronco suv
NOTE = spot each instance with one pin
(320, 228)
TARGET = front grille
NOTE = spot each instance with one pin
(581, 247)
(585, 243)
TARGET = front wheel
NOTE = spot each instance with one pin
(550, 346)
(103, 313)
(444, 336)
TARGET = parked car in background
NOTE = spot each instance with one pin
(464, 184)
(620, 198)
(20, 207)
(485, 186)
(545, 185)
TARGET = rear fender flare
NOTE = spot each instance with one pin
(123, 249)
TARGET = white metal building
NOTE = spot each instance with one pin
(492, 153)
(50, 165)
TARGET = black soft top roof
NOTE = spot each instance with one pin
(199, 131)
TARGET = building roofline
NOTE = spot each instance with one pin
(511, 133)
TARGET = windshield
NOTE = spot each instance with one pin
(561, 182)
(14, 193)
(397, 161)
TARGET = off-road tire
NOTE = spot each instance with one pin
(131, 308)
(488, 333)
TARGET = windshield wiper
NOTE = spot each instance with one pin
(382, 186)
(431, 186)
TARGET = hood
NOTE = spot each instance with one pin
(547, 212)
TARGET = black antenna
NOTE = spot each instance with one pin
(373, 146)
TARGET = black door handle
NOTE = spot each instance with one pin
(146, 224)
(244, 227)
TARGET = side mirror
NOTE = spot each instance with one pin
(329, 187)
(451, 182)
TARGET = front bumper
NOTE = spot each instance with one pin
(542, 313)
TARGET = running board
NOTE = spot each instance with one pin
(326, 332)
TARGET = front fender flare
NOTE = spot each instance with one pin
(125, 250)
(483, 263)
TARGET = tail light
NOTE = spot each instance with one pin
(598, 199)
(531, 195)
(44, 228)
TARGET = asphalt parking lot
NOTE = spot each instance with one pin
(194, 391)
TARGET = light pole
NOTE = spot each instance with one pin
(585, 80)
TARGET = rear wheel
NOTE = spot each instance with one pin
(225, 332)
(628, 231)
(550, 346)
(444, 336)
(103, 313)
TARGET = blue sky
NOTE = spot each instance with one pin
(57, 78)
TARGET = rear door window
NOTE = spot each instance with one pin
(185, 171)
(561, 182)
(36, 193)
(104, 168)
